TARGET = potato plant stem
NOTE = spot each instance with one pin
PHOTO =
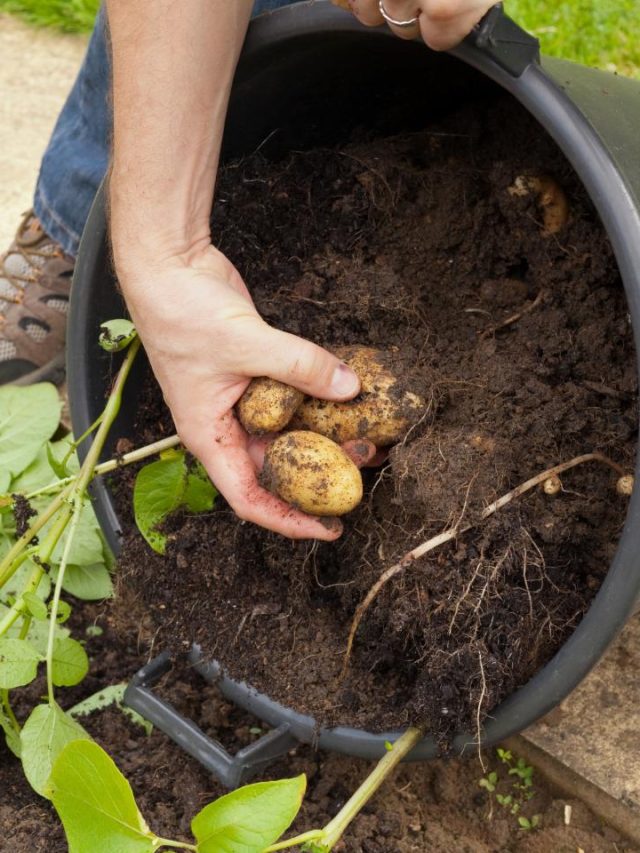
(8, 710)
(312, 835)
(168, 842)
(43, 554)
(53, 610)
(75, 489)
(7, 565)
(334, 829)
(112, 464)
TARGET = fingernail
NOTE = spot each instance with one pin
(344, 382)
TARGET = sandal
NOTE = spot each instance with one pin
(35, 282)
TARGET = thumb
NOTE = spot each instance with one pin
(308, 367)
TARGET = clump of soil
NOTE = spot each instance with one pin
(522, 344)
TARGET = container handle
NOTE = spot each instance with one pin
(231, 770)
(498, 37)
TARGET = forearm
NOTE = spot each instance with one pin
(173, 63)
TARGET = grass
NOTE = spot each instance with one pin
(71, 16)
(603, 33)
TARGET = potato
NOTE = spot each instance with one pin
(381, 413)
(267, 405)
(312, 473)
(551, 198)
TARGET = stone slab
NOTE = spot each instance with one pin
(592, 740)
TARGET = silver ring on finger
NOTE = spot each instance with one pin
(410, 22)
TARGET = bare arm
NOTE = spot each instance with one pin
(173, 66)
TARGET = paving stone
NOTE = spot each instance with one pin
(592, 740)
(37, 69)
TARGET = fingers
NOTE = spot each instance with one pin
(449, 21)
(441, 23)
(306, 366)
(361, 451)
(227, 461)
(366, 11)
(402, 10)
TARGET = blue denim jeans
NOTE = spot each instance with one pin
(77, 156)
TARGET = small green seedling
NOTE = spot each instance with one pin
(520, 791)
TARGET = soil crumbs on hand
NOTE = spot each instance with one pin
(415, 245)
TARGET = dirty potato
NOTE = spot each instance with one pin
(312, 473)
(267, 405)
(551, 199)
(383, 412)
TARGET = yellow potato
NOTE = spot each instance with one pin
(381, 412)
(267, 405)
(312, 473)
(551, 198)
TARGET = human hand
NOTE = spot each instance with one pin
(442, 24)
(205, 341)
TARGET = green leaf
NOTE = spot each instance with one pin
(18, 582)
(70, 663)
(112, 695)
(200, 493)
(18, 663)
(59, 469)
(28, 417)
(115, 335)
(90, 583)
(38, 634)
(36, 606)
(64, 612)
(45, 734)
(12, 737)
(162, 487)
(87, 547)
(249, 819)
(96, 804)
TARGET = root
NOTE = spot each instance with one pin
(448, 535)
(479, 712)
(514, 317)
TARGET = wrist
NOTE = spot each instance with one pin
(149, 232)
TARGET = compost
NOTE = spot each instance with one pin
(520, 342)
(436, 806)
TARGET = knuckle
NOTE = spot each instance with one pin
(442, 11)
(309, 366)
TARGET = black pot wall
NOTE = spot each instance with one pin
(310, 75)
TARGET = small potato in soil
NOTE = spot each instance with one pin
(312, 473)
(383, 412)
(267, 405)
(551, 199)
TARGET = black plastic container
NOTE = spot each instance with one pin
(309, 75)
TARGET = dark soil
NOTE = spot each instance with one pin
(415, 245)
(411, 243)
(436, 806)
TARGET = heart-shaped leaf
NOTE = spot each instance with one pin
(249, 819)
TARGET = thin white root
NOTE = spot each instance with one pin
(453, 533)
